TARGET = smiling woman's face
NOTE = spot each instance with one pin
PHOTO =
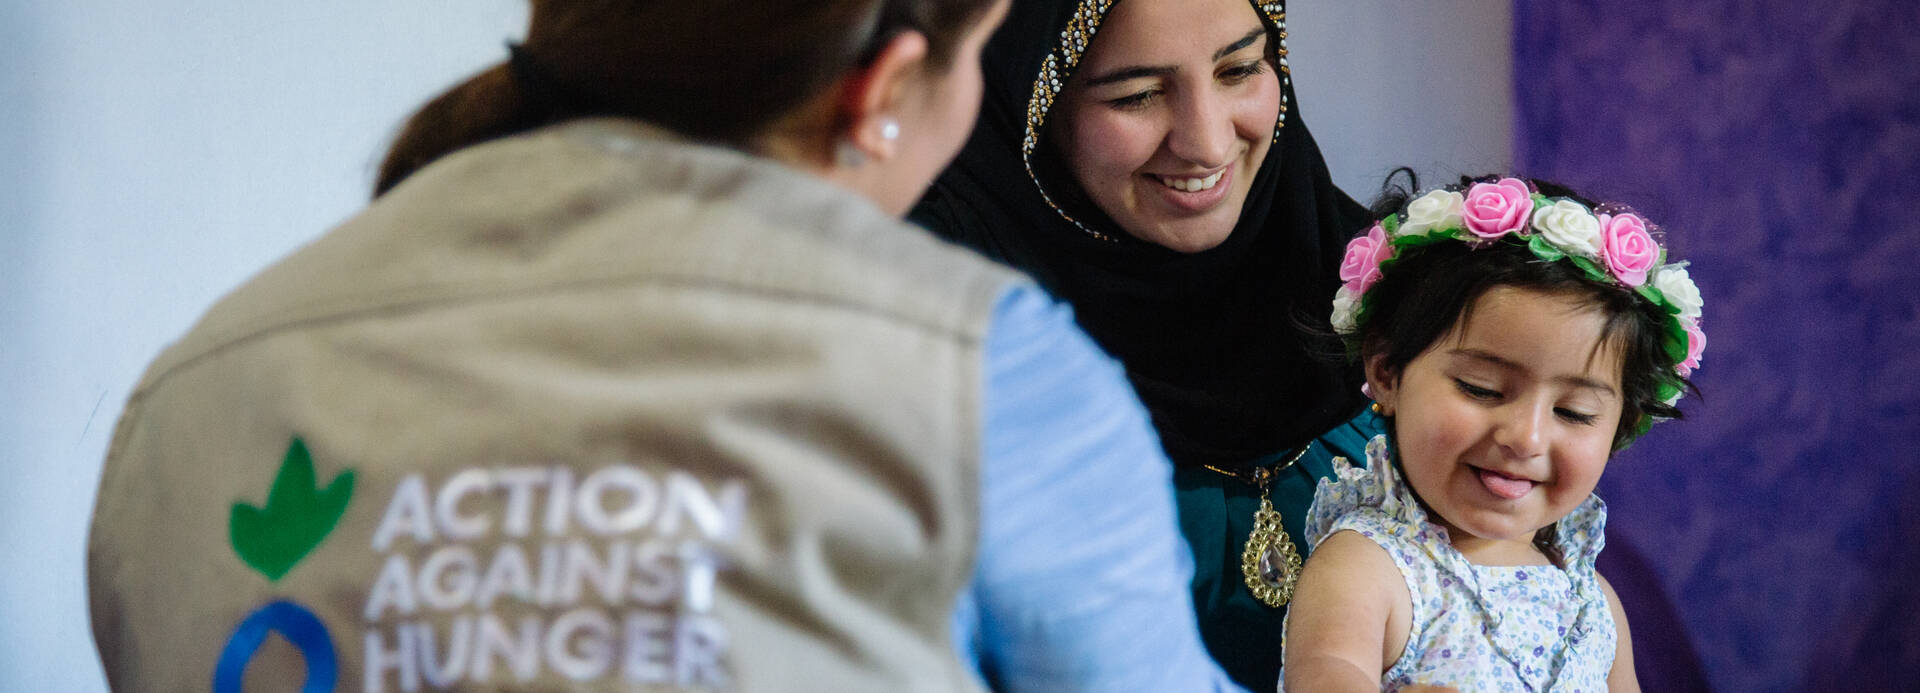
(1169, 116)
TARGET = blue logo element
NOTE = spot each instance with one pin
(299, 626)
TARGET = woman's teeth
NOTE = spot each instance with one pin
(1191, 184)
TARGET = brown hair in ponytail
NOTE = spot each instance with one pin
(487, 106)
(716, 70)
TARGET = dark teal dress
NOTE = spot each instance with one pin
(1216, 515)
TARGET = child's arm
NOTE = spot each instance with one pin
(1620, 679)
(1349, 618)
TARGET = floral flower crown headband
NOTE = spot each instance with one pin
(1609, 244)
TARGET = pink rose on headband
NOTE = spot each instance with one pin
(1627, 247)
(1361, 267)
(1493, 210)
(1696, 345)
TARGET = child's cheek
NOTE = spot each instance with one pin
(1432, 439)
(1450, 429)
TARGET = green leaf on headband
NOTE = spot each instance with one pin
(1657, 298)
(1676, 339)
(1667, 390)
(1544, 250)
(1412, 241)
(1592, 270)
(1390, 223)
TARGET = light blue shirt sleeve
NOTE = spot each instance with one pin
(1082, 577)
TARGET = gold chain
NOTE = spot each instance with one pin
(1261, 476)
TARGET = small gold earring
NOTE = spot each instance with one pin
(1376, 408)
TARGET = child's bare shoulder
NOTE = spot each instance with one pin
(1352, 608)
(1349, 555)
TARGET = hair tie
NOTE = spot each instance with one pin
(540, 86)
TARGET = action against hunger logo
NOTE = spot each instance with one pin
(297, 516)
(618, 568)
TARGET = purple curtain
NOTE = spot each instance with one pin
(1770, 541)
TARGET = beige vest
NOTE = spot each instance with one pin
(588, 410)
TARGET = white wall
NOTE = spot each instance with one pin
(1420, 83)
(154, 156)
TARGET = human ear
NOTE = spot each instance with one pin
(874, 98)
(1384, 382)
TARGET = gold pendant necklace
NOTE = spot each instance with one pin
(1270, 563)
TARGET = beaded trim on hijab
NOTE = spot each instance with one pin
(1060, 64)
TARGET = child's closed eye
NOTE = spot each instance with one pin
(1476, 392)
(1572, 416)
(1491, 395)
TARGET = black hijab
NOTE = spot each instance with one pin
(1230, 347)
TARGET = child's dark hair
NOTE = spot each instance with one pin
(1433, 288)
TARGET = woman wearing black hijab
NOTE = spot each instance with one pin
(1146, 162)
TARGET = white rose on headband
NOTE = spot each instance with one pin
(1345, 305)
(1673, 282)
(1439, 209)
(1569, 226)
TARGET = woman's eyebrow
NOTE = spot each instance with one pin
(1137, 71)
(1127, 73)
(1242, 43)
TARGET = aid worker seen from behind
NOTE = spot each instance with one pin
(631, 378)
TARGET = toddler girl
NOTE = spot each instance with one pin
(1513, 336)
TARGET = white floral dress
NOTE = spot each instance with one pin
(1475, 627)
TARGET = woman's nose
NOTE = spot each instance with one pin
(1202, 131)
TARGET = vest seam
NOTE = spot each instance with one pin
(476, 295)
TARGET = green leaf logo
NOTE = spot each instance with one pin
(298, 515)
